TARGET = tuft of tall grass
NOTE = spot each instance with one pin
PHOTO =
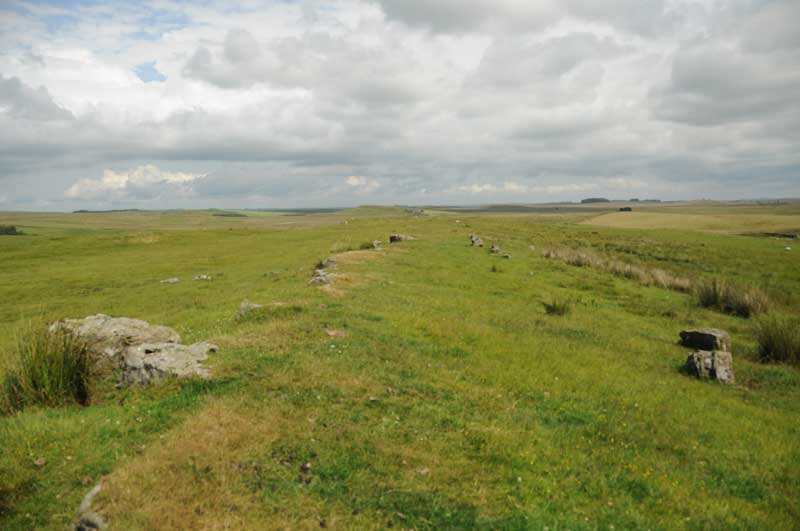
(647, 277)
(48, 369)
(574, 257)
(745, 301)
(778, 338)
(558, 306)
(666, 280)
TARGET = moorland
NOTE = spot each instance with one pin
(431, 385)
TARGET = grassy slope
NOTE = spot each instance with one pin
(453, 400)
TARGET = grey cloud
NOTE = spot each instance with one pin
(240, 46)
(525, 16)
(448, 101)
(470, 15)
(21, 101)
(712, 84)
(516, 64)
(331, 68)
(772, 27)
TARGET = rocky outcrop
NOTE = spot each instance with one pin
(141, 351)
(475, 240)
(152, 362)
(320, 277)
(107, 337)
(711, 365)
(395, 238)
(494, 249)
(706, 339)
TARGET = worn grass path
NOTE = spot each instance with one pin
(453, 400)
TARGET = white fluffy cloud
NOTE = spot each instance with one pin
(362, 184)
(273, 102)
(143, 182)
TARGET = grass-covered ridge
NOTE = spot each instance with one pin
(450, 400)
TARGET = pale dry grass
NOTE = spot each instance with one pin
(643, 275)
(723, 223)
(145, 238)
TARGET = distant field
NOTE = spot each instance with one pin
(453, 400)
(714, 222)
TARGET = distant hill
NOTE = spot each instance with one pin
(595, 200)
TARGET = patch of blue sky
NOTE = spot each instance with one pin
(56, 23)
(148, 73)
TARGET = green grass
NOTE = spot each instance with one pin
(558, 307)
(452, 400)
(725, 296)
(49, 369)
(778, 338)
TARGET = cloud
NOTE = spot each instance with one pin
(517, 16)
(362, 184)
(274, 103)
(715, 84)
(142, 182)
(510, 188)
(21, 101)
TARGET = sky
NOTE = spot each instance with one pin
(293, 103)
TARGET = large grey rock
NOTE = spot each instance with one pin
(711, 365)
(475, 240)
(152, 362)
(141, 351)
(706, 339)
(87, 519)
(107, 337)
(494, 249)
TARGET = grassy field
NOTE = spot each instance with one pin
(452, 400)
(706, 216)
